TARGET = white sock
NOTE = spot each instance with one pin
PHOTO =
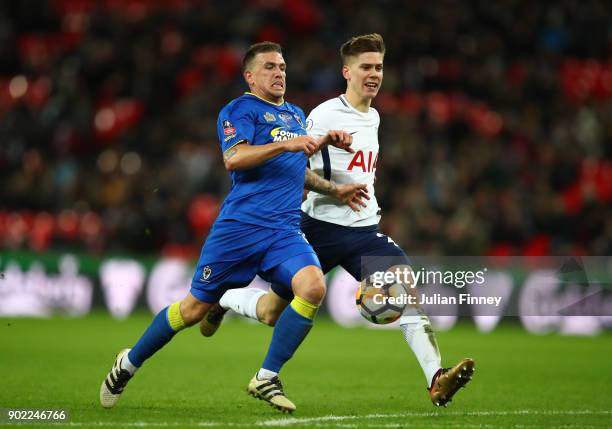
(128, 365)
(242, 301)
(266, 374)
(422, 340)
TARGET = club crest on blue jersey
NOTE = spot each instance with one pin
(280, 135)
(269, 117)
(206, 272)
(285, 117)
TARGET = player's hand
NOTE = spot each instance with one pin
(305, 144)
(338, 138)
(352, 194)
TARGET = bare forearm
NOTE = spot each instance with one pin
(244, 156)
(314, 182)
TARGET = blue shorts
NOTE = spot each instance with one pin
(235, 252)
(359, 250)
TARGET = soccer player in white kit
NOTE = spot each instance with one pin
(348, 236)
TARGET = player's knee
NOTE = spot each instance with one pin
(320, 290)
(309, 284)
(314, 292)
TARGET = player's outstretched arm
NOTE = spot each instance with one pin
(338, 138)
(244, 155)
(352, 194)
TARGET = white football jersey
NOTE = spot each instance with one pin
(341, 166)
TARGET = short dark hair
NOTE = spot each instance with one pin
(258, 48)
(360, 44)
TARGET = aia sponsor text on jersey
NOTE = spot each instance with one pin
(364, 161)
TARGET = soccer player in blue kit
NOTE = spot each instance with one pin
(265, 149)
(344, 236)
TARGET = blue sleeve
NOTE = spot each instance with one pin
(235, 125)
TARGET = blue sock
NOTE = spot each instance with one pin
(289, 332)
(161, 330)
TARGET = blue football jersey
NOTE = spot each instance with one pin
(270, 194)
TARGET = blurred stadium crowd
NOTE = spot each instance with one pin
(496, 118)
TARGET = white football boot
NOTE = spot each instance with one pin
(115, 382)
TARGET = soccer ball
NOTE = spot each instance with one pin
(381, 305)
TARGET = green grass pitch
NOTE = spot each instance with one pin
(340, 378)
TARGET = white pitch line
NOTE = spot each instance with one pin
(403, 425)
(157, 424)
(289, 421)
(343, 421)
